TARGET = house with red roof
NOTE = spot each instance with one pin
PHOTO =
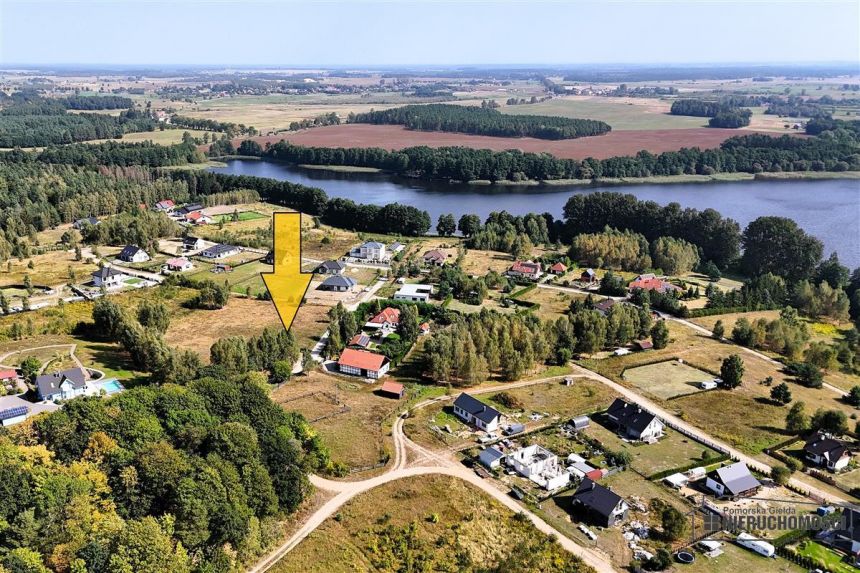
(558, 268)
(526, 270)
(651, 282)
(8, 375)
(197, 218)
(363, 363)
(387, 320)
(435, 258)
(165, 205)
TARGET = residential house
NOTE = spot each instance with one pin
(79, 224)
(826, 451)
(16, 415)
(604, 306)
(62, 385)
(190, 243)
(388, 319)
(634, 422)
(338, 283)
(370, 251)
(198, 218)
(331, 268)
(526, 270)
(435, 258)
(220, 251)
(165, 205)
(177, 265)
(363, 363)
(8, 376)
(133, 254)
(732, 481)
(359, 341)
(392, 389)
(491, 457)
(108, 277)
(539, 465)
(473, 411)
(414, 292)
(189, 208)
(395, 247)
(845, 539)
(599, 504)
(558, 268)
(651, 282)
(588, 276)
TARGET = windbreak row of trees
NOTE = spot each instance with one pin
(482, 121)
(229, 128)
(111, 153)
(835, 150)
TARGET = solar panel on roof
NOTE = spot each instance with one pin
(13, 412)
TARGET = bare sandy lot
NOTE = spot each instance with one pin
(612, 144)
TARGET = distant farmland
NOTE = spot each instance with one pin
(611, 144)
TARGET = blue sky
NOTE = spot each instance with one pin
(360, 33)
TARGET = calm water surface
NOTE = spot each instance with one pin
(828, 209)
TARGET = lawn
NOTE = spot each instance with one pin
(553, 303)
(453, 522)
(667, 379)
(831, 560)
(243, 216)
(737, 558)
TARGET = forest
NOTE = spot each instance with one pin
(482, 121)
(835, 149)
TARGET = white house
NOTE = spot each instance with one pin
(220, 251)
(526, 269)
(177, 265)
(133, 254)
(363, 363)
(370, 251)
(473, 411)
(732, 481)
(539, 465)
(108, 277)
(62, 385)
(414, 293)
(826, 451)
(634, 422)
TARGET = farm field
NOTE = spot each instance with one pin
(667, 379)
(621, 113)
(466, 525)
(612, 144)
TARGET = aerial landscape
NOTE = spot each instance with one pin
(402, 287)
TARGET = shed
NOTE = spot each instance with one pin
(676, 480)
(491, 457)
(580, 422)
(392, 389)
(514, 429)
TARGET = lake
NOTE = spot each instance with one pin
(828, 209)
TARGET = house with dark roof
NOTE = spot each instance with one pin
(14, 415)
(108, 277)
(634, 422)
(526, 270)
(190, 243)
(363, 363)
(598, 504)
(81, 223)
(220, 251)
(588, 276)
(331, 268)
(435, 258)
(337, 283)
(824, 450)
(189, 208)
(473, 411)
(604, 306)
(133, 254)
(62, 385)
(845, 539)
(732, 481)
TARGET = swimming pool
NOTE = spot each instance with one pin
(111, 386)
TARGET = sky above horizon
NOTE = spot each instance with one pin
(395, 33)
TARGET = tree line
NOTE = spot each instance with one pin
(482, 121)
(228, 128)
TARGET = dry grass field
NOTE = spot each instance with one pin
(667, 379)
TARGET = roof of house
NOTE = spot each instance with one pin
(629, 415)
(395, 246)
(388, 314)
(332, 265)
(88, 220)
(129, 251)
(359, 339)
(106, 272)
(821, 444)
(189, 240)
(191, 207)
(220, 249)
(8, 373)
(604, 305)
(476, 408)
(50, 383)
(491, 454)
(424, 327)
(390, 387)
(589, 272)
(435, 255)
(361, 359)
(559, 266)
(13, 412)
(164, 203)
(177, 262)
(195, 215)
(527, 267)
(373, 245)
(736, 478)
(338, 281)
(596, 497)
(650, 282)
(414, 290)
(644, 344)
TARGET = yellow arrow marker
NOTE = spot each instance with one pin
(287, 284)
